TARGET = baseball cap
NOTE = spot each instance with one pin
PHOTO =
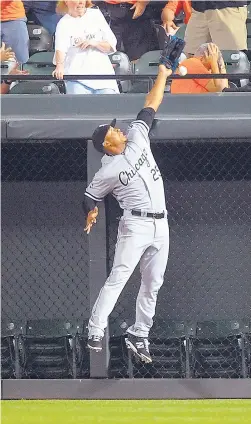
(99, 134)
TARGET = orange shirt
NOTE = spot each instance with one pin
(11, 10)
(191, 86)
(178, 6)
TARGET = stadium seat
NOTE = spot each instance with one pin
(7, 66)
(10, 360)
(48, 349)
(169, 347)
(217, 350)
(40, 39)
(35, 87)
(42, 64)
(82, 352)
(236, 62)
(122, 66)
(181, 31)
(148, 65)
(120, 362)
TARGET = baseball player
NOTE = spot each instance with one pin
(130, 173)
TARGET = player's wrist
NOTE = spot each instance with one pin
(164, 71)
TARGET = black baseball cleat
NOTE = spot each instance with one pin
(139, 346)
(95, 343)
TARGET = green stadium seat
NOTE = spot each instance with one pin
(40, 39)
(49, 328)
(10, 359)
(217, 349)
(236, 62)
(40, 64)
(12, 328)
(35, 87)
(82, 352)
(119, 361)
(169, 347)
(181, 31)
(48, 349)
(122, 66)
(146, 65)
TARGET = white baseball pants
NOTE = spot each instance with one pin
(144, 240)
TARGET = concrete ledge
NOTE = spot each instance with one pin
(127, 389)
(40, 117)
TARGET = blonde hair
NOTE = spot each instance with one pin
(62, 8)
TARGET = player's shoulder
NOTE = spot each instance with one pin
(140, 125)
(137, 130)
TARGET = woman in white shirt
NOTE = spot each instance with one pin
(83, 41)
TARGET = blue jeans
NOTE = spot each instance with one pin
(15, 35)
(76, 87)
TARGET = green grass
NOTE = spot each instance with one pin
(126, 411)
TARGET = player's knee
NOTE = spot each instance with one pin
(153, 282)
(117, 279)
(148, 293)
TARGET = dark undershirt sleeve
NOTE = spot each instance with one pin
(88, 205)
(146, 115)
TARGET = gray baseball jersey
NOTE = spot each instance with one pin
(133, 177)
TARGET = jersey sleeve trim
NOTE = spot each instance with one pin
(93, 197)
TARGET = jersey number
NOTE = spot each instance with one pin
(155, 173)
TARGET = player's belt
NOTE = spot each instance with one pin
(157, 215)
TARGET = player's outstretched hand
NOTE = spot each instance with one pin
(91, 219)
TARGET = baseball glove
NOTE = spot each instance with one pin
(173, 48)
(91, 219)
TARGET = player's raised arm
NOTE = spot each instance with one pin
(168, 63)
(155, 96)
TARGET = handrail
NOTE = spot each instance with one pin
(126, 77)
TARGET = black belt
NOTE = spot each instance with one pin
(158, 215)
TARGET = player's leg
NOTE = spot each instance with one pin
(134, 236)
(152, 266)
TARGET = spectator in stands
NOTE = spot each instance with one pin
(220, 22)
(172, 9)
(207, 59)
(83, 41)
(133, 26)
(43, 13)
(14, 31)
(6, 55)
